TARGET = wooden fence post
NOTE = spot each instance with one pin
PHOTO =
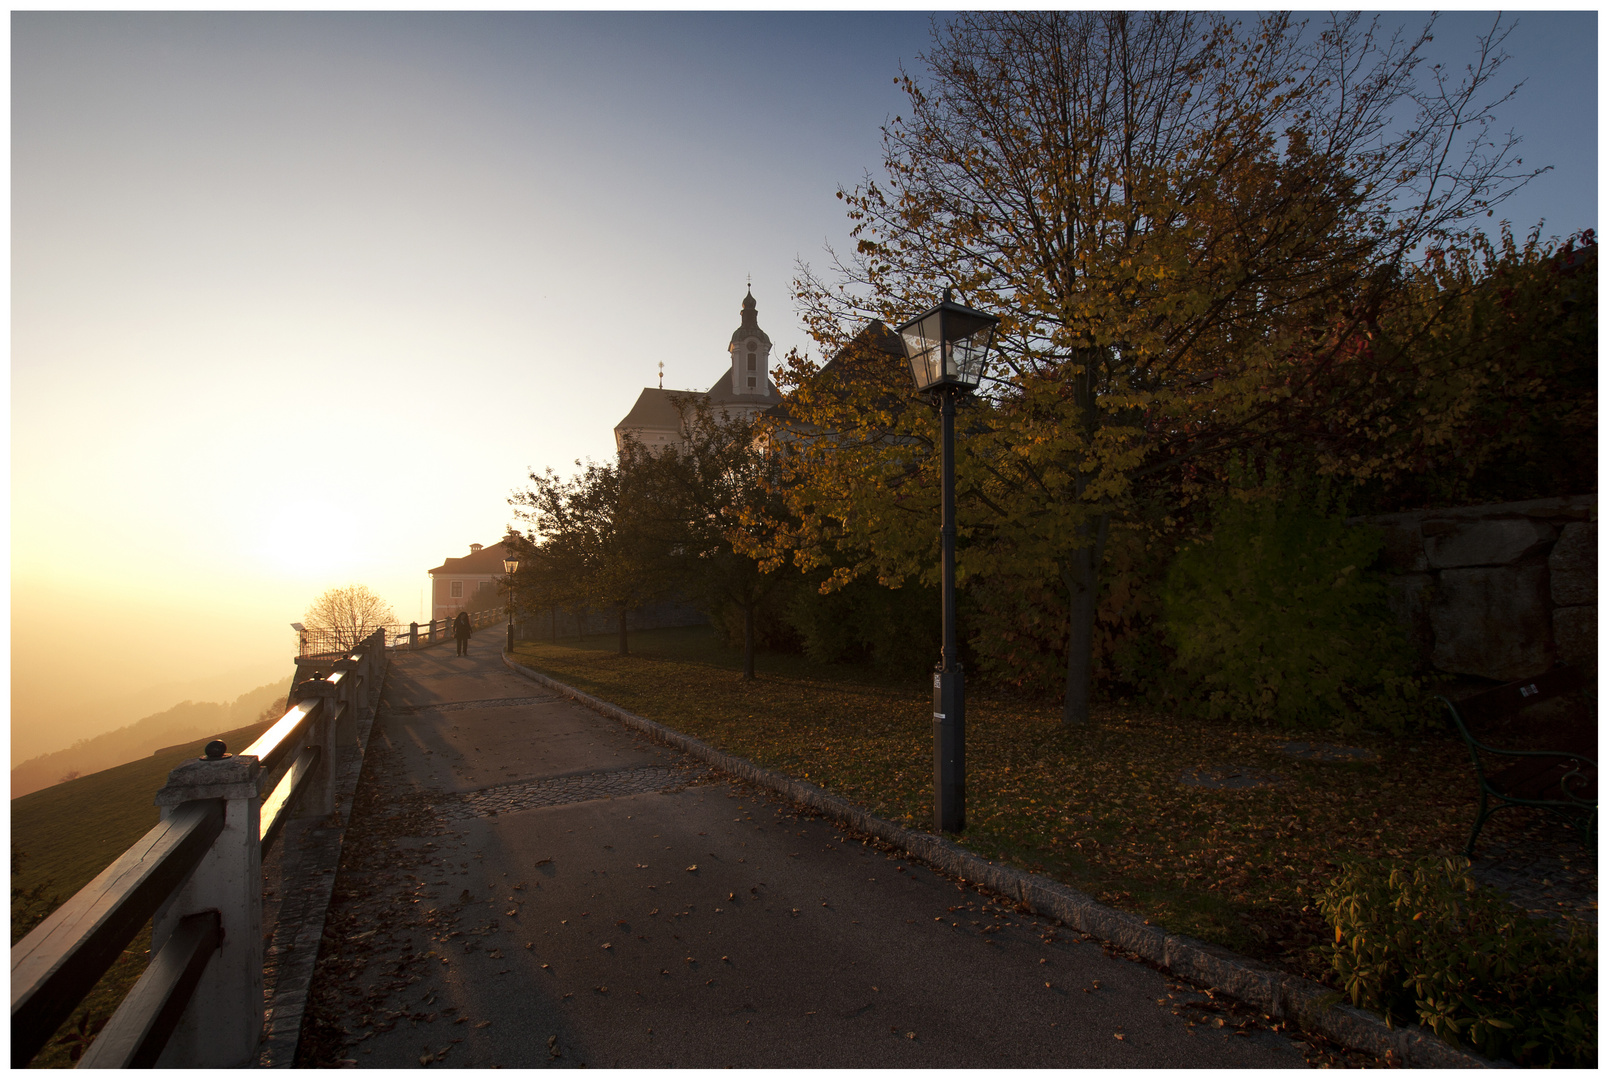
(223, 1022)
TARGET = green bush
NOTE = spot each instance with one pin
(1426, 942)
(1278, 618)
(895, 630)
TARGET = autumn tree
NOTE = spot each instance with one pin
(1184, 223)
(348, 614)
(1480, 383)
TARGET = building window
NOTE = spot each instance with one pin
(751, 382)
(457, 591)
(751, 361)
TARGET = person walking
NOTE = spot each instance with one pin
(461, 631)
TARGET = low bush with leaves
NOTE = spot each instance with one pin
(1423, 941)
(1278, 618)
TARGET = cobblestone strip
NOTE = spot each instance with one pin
(568, 789)
(309, 851)
(1312, 1007)
(454, 706)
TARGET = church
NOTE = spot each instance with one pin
(744, 389)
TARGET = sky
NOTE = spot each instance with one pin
(298, 299)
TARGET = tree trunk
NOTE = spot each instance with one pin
(553, 624)
(748, 640)
(1082, 578)
(623, 650)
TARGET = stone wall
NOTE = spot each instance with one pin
(1502, 592)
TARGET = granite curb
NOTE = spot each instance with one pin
(1311, 1007)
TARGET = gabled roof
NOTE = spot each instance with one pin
(488, 560)
(655, 410)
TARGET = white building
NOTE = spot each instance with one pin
(468, 583)
(744, 389)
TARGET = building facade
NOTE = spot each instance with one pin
(468, 583)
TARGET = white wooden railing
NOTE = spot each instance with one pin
(198, 875)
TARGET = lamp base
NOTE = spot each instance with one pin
(949, 751)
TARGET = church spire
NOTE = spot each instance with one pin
(750, 349)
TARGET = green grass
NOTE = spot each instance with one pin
(1100, 808)
(68, 833)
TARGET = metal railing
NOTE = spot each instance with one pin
(198, 875)
(420, 635)
(333, 643)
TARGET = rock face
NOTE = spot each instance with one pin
(1492, 622)
(1501, 592)
(1573, 564)
(1484, 543)
(1575, 634)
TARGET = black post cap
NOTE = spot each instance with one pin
(216, 750)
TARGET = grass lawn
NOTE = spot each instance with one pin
(1100, 808)
(70, 832)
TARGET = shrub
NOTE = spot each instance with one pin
(1277, 618)
(896, 630)
(1425, 942)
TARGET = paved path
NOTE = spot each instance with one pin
(528, 883)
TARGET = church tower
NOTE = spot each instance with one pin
(750, 350)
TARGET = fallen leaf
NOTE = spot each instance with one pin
(484, 1023)
(693, 867)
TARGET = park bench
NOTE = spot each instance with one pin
(1561, 778)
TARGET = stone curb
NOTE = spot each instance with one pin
(1311, 1007)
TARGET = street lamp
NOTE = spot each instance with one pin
(947, 346)
(510, 564)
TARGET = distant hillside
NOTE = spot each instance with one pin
(186, 721)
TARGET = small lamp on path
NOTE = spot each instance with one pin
(947, 346)
(511, 563)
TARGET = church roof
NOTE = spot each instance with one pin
(654, 409)
(721, 393)
(750, 326)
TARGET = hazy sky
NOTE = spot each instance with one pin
(298, 298)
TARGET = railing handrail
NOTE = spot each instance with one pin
(207, 916)
(274, 744)
(63, 957)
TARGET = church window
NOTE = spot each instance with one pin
(751, 382)
(751, 364)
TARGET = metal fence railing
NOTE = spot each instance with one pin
(332, 643)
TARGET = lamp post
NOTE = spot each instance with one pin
(510, 564)
(946, 346)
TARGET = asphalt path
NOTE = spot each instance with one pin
(527, 883)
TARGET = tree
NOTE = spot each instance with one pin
(1185, 224)
(348, 614)
(594, 527)
(713, 499)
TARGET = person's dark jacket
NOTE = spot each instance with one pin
(461, 628)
